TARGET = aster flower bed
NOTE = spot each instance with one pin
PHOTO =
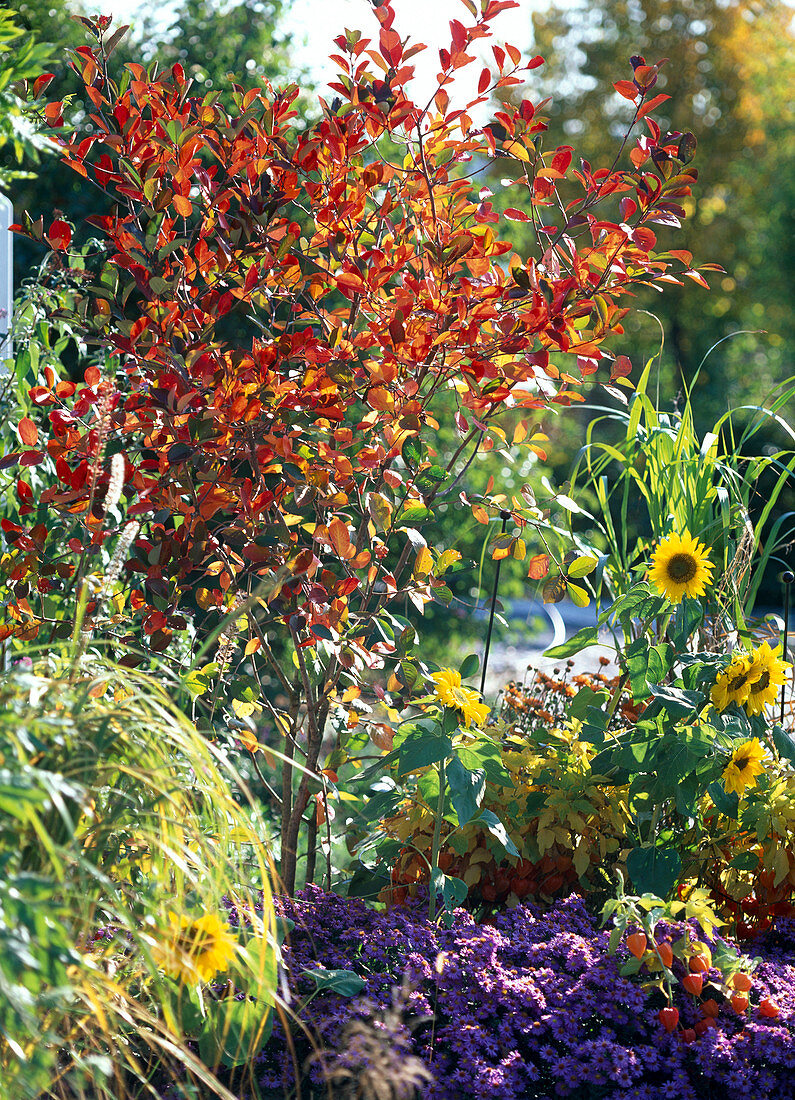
(529, 1006)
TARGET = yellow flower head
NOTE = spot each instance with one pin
(734, 684)
(770, 672)
(451, 693)
(680, 567)
(745, 765)
(196, 950)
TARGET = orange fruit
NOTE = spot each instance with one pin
(636, 942)
(693, 983)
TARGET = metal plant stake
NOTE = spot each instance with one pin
(504, 516)
(787, 578)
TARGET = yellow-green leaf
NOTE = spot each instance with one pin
(578, 595)
(582, 566)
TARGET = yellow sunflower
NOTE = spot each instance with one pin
(745, 765)
(680, 567)
(196, 949)
(734, 684)
(771, 673)
(451, 693)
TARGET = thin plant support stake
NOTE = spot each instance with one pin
(787, 578)
(504, 516)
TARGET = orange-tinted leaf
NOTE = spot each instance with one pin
(539, 567)
(381, 735)
(183, 206)
(340, 539)
(28, 432)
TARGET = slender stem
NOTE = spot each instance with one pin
(505, 517)
(315, 722)
(437, 833)
(311, 846)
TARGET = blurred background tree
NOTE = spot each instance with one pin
(730, 77)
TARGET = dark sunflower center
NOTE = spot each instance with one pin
(741, 765)
(762, 683)
(738, 681)
(194, 941)
(682, 568)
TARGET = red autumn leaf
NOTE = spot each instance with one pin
(562, 158)
(697, 278)
(627, 89)
(41, 82)
(53, 114)
(59, 236)
(31, 458)
(652, 104)
(349, 284)
(621, 368)
(514, 215)
(381, 735)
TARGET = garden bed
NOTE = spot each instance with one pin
(529, 1005)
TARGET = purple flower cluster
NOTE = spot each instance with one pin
(530, 1007)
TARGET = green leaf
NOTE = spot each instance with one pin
(594, 726)
(497, 830)
(414, 513)
(234, 1032)
(647, 665)
(344, 982)
(453, 890)
(674, 701)
(581, 640)
(484, 754)
(368, 882)
(745, 861)
(727, 803)
(198, 681)
(586, 697)
(411, 451)
(431, 477)
(466, 789)
(469, 666)
(654, 870)
(422, 748)
(382, 804)
(689, 616)
(784, 742)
